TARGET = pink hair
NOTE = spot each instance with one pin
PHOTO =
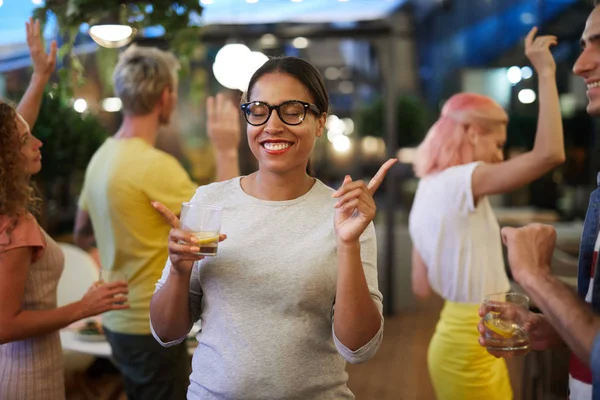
(446, 143)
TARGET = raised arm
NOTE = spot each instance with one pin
(43, 66)
(224, 131)
(548, 150)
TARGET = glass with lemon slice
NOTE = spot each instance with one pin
(504, 322)
(204, 222)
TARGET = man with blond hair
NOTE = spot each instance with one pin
(123, 177)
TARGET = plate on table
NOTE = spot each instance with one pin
(93, 337)
(91, 331)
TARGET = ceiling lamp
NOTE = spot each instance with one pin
(227, 65)
(237, 74)
(112, 35)
(235, 64)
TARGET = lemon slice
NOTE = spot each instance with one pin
(500, 327)
(207, 239)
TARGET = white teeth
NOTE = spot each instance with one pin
(276, 146)
(593, 85)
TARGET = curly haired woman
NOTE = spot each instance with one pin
(30, 261)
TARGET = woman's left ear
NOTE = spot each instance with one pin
(321, 124)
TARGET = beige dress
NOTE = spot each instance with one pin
(32, 369)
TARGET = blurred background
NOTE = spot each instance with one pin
(389, 65)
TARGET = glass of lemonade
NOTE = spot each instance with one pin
(204, 222)
(504, 321)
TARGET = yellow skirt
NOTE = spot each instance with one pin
(459, 367)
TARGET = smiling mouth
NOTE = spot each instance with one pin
(276, 146)
(593, 85)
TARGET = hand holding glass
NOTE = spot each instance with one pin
(204, 222)
(109, 276)
(504, 322)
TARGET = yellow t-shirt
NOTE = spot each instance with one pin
(121, 180)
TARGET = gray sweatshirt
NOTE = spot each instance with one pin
(266, 300)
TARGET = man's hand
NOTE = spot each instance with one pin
(530, 250)
(542, 336)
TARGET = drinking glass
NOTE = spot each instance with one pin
(204, 222)
(504, 322)
(109, 276)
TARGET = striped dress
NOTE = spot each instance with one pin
(33, 368)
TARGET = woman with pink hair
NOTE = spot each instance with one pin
(457, 250)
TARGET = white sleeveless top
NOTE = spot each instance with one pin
(459, 241)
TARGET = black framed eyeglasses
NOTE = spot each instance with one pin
(291, 112)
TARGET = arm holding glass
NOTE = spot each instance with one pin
(566, 317)
(170, 314)
(530, 252)
(17, 323)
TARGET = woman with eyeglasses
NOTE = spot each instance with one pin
(292, 293)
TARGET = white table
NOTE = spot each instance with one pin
(70, 341)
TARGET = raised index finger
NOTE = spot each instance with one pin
(167, 214)
(376, 181)
(530, 36)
